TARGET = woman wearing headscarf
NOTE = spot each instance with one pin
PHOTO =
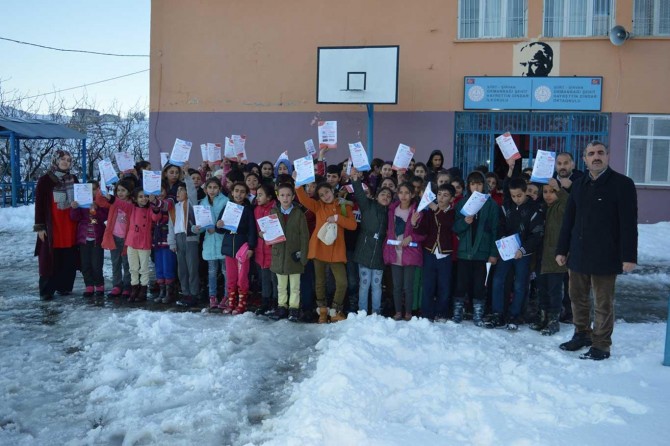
(56, 232)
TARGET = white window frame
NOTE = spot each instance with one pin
(565, 32)
(656, 24)
(650, 138)
(503, 21)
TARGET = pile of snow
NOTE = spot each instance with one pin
(654, 243)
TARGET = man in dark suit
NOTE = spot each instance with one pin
(598, 241)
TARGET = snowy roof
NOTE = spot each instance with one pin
(37, 129)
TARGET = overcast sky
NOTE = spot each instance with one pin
(118, 26)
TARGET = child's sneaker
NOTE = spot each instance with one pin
(99, 291)
(495, 321)
(187, 301)
(279, 313)
(88, 292)
(213, 302)
(294, 315)
(116, 292)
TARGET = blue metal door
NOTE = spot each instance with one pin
(475, 134)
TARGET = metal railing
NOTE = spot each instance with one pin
(26, 194)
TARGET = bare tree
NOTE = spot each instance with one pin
(111, 130)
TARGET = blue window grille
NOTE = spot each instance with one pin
(475, 134)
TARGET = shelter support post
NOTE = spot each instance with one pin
(371, 127)
(15, 168)
(666, 360)
(84, 164)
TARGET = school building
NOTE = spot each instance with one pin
(550, 72)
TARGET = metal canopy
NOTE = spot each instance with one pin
(36, 129)
(16, 129)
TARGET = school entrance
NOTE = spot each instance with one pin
(475, 134)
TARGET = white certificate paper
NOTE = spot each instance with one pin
(271, 228)
(543, 167)
(508, 246)
(151, 182)
(327, 134)
(239, 142)
(475, 202)
(203, 152)
(427, 198)
(403, 156)
(124, 161)
(107, 172)
(232, 215)
(304, 168)
(359, 156)
(203, 216)
(165, 157)
(229, 150)
(508, 146)
(309, 147)
(180, 152)
(350, 188)
(213, 152)
(83, 194)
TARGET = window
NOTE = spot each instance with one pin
(577, 18)
(482, 19)
(651, 18)
(649, 149)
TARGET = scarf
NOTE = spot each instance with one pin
(63, 191)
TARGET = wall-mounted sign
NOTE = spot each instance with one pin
(533, 93)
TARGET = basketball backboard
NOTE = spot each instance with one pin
(357, 75)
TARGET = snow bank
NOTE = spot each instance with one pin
(387, 383)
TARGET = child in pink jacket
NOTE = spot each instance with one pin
(403, 249)
(138, 241)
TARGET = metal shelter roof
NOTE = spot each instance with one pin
(37, 129)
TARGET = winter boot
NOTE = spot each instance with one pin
(230, 303)
(514, 322)
(323, 315)
(162, 291)
(213, 302)
(134, 292)
(142, 294)
(595, 354)
(458, 311)
(241, 304)
(478, 314)
(540, 321)
(99, 291)
(170, 292)
(552, 326)
(262, 310)
(127, 293)
(88, 292)
(579, 340)
(495, 321)
(341, 316)
(116, 292)
(187, 301)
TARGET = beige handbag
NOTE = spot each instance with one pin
(328, 233)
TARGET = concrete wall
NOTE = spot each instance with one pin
(220, 67)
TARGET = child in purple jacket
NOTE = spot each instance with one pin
(90, 229)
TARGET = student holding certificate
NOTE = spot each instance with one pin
(215, 201)
(90, 228)
(524, 217)
(290, 256)
(239, 242)
(477, 245)
(265, 202)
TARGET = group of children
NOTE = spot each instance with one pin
(347, 235)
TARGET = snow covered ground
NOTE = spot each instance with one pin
(77, 375)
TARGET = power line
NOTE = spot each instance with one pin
(79, 86)
(73, 51)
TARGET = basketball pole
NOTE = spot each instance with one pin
(371, 127)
